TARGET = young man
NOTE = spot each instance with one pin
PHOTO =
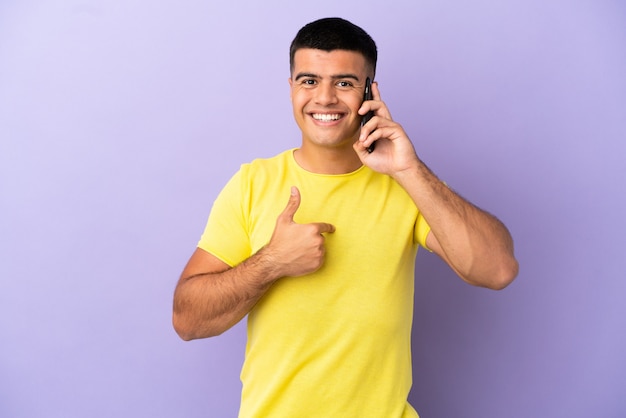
(326, 276)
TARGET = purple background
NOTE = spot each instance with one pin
(121, 121)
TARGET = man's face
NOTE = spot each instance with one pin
(326, 94)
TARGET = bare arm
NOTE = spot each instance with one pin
(211, 297)
(476, 245)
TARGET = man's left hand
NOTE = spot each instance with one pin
(394, 151)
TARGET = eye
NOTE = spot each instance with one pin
(344, 83)
(308, 82)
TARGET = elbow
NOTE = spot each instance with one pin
(184, 332)
(188, 331)
(497, 277)
(504, 275)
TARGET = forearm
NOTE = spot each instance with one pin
(475, 244)
(208, 303)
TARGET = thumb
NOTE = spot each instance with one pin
(292, 205)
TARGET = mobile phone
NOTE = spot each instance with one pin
(367, 95)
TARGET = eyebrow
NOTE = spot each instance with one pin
(334, 77)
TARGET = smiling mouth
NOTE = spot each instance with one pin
(326, 117)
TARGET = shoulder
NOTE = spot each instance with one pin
(266, 168)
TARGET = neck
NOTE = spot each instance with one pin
(327, 160)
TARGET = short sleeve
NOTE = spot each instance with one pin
(226, 233)
(421, 230)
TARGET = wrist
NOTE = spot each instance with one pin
(268, 267)
(409, 171)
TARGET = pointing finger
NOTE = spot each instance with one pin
(324, 227)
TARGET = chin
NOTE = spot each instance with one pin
(334, 142)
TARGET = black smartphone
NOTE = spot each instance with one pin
(367, 95)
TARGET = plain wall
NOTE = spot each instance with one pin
(121, 121)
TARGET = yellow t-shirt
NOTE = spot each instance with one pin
(334, 343)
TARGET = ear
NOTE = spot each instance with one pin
(290, 89)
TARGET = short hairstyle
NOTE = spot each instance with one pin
(334, 33)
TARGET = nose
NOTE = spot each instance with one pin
(325, 94)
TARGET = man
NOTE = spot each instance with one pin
(327, 279)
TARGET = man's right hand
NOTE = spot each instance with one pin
(211, 296)
(297, 249)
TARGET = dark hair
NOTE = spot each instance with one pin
(333, 33)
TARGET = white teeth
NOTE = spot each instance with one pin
(325, 117)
